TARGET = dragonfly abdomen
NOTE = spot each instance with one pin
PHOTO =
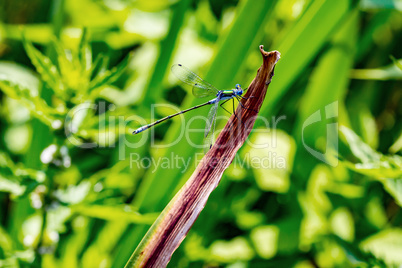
(141, 129)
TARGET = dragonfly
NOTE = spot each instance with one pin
(201, 89)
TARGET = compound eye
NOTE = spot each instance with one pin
(237, 86)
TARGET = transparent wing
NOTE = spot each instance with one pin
(210, 127)
(201, 88)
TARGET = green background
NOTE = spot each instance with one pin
(63, 205)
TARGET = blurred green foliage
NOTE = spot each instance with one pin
(64, 205)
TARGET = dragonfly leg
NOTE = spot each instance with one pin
(224, 107)
(239, 100)
(234, 111)
(247, 98)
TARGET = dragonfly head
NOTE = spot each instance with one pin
(239, 89)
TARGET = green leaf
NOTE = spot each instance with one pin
(330, 73)
(109, 76)
(114, 213)
(387, 169)
(6, 247)
(372, 164)
(394, 187)
(37, 106)
(19, 171)
(45, 67)
(17, 179)
(11, 186)
(398, 63)
(357, 256)
(301, 44)
(386, 245)
(167, 46)
(265, 239)
(20, 75)
(66, 67)
(390, 72)
(38, 33)
(74, 194)
(397, 146)
(100, 65)
(380, 4)
(359, 149)
(85, 52)
(237, 249)
(75, 71)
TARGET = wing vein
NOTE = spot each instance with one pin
(201, 88)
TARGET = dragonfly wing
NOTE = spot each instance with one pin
(200, 92)
(201, 88)
(210, 127)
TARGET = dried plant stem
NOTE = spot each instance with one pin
(166, 234)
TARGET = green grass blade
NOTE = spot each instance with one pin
(302, 44)
(166, 51)
(326, 90)
(112, 213)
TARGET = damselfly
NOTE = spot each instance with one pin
(201, 89)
